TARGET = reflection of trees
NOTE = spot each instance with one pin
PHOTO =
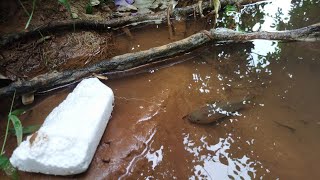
(231, 57)
(300, 50)
(262, 60)
(228, 21)
(227, 58)
(303, 13)
(239, 64)
(223, 61)
(243, 58)
(249, 16)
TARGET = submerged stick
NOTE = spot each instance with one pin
(293, 130)
(132, 60)
(109, 24)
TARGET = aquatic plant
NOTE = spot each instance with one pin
(18, 130)
(7, 167)
(5, 164)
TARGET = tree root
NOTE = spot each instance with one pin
(133, 60)
(107, 25)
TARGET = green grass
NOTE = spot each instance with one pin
(5, 164)
(8, 124)
(18, 130)
(65, 3)
(7, 167)
(89, 8)
(30, 15)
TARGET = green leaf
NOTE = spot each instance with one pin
(17, 127)
(66, 4)
(30, 129)
(27, 130)
(89, 9)
(18, 112)
(30, 17)
(231, 8)
(3, 160)
(7, 167)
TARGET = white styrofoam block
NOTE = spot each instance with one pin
(67, 140)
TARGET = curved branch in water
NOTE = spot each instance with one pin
(132, 60)
(109, 24)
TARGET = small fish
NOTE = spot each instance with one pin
(212, 112)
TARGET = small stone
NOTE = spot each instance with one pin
(27, 98)
(74, 15)
(105, 8)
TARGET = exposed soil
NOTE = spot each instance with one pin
(31, 57)
(61, 52)
(53, 52)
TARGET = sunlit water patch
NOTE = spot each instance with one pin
(213, 161)
(155, 157)
(260, 55)
(264, 15)
(271, 15)
(200, 82)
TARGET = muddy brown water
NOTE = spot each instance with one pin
(275, 137)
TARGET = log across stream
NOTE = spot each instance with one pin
(132, 60)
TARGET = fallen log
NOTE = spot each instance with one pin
(72, 25)
(132, 60)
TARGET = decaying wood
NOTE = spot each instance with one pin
(72, 25)
(132, 60)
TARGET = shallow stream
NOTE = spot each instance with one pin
(275, 136)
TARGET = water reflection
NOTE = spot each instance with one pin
(275, 12)
(272, 15)
(258, 144)
(202, 83)
(213, 161)
(155, 157)
(148, 143)
(260, 55)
